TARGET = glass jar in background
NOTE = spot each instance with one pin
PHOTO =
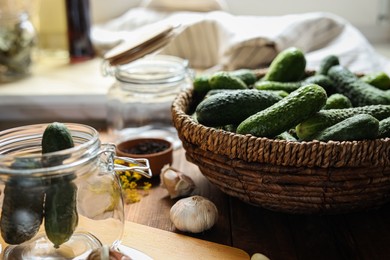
(17, 39)
(80, 185)
(139, 102)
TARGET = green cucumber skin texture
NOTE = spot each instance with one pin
(286, 136)
(322, 80)
(288, 66)
(56, 137)
(326, 63)
(325, 118)
(276, 85)
(22, 212)
(61, 217)
(384, 128)
(224, 80)
(285, 114)
(232, 107)
(357, 127)
(378, 79)
(217, 91)
(204, 83)
(201, 85)
(337, 101)
(246, 75)
(280, 93)
(359, 92)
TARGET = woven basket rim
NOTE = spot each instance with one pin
(364, 153)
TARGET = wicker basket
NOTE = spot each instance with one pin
(293, 177)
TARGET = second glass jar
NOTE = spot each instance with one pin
(139, 102)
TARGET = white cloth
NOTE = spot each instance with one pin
(225, 41)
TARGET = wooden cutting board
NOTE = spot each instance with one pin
(161, 244)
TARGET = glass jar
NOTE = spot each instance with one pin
(17, 39)
(75, 202)
(139, 102)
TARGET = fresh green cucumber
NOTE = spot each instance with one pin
(246, 75)
(357, 127)
(384, 128)
(56, 137)
(232, 107)
(359, 92)
(286, 136)
(286, 113)
(325, 118)
(322, 80)
(224, 80)
(230, 128)
(288, 66)
(217, 91)
(378, 79)
(61, 217)
(326, 63)
(280, 93)
(336, 101)
(201, 85)
(277, 85)
(22, 210)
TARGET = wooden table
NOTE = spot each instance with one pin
(364, 235)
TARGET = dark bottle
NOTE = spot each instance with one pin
(79, 27)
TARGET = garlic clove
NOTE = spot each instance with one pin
(184, 186)
(194, 214)
(169, 178)
(176, 183)
(258, 256)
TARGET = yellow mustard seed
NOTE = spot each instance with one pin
(131, 183)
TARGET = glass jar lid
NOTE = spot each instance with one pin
(146, 40)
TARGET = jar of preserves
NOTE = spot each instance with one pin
(17, 39)
(64, 209)
(139, 102)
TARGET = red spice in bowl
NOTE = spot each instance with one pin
(159, 152)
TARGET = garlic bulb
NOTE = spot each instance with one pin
(194, 214)
(176, 183)
(258, 256)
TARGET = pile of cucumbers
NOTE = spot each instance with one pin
(289, 103)
(30, 200)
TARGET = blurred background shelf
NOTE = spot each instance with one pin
(56, 90)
